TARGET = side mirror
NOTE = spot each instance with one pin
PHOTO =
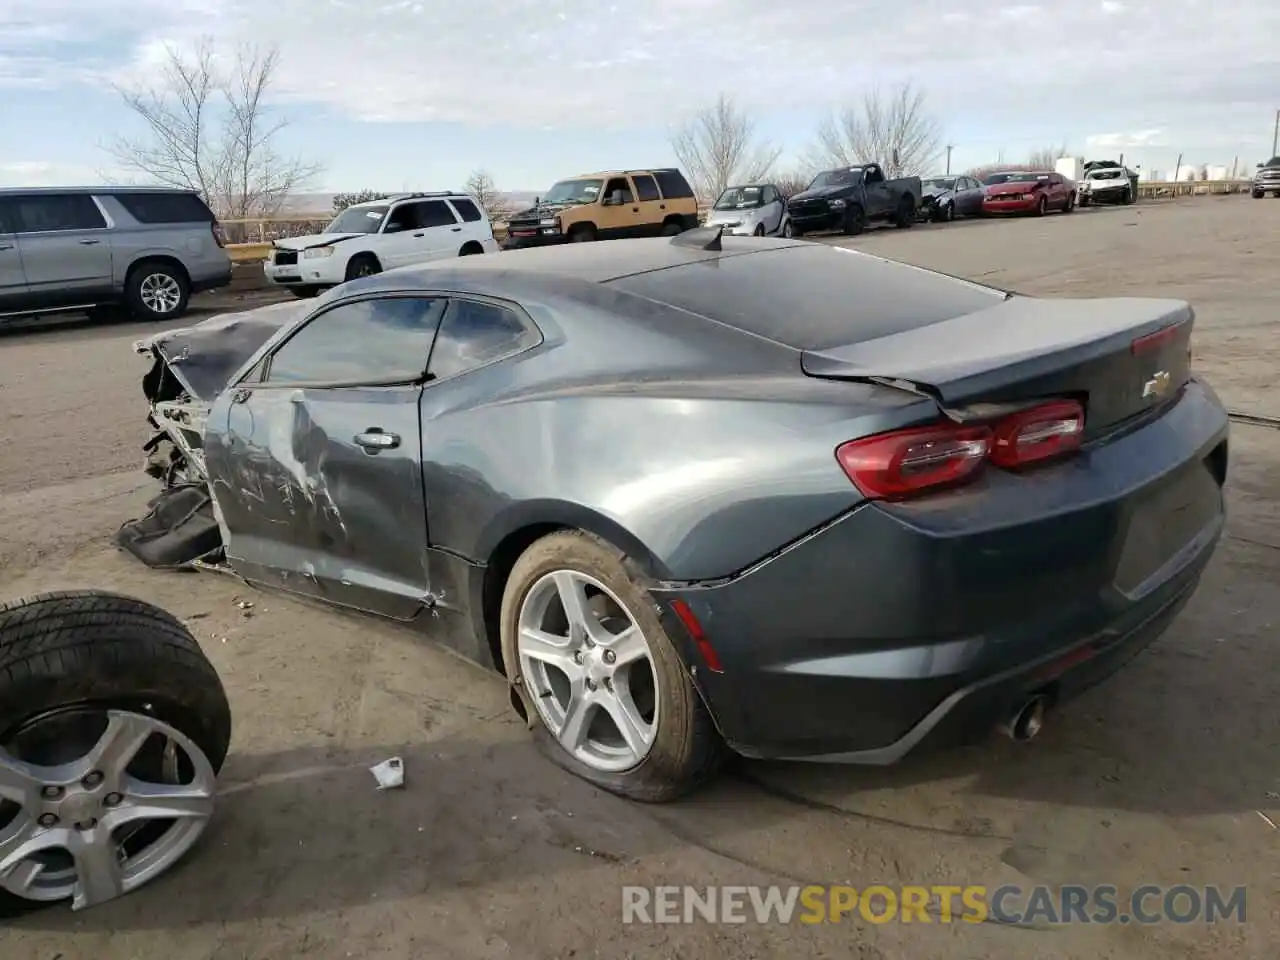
(1258, 165)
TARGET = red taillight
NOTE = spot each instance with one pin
(899, 464)
(219, 236)
(905, 463)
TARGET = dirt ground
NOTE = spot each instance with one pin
(1168, 774)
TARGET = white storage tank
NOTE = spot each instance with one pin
(1217, 171)
(1070, 167)
(1153, 176)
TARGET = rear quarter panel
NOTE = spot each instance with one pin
(700, 466)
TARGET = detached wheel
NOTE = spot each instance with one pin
(113, 727)
(603, 686)
(157, 291)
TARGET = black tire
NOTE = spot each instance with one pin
(1042, 206)
(583, 233)
(305, 293)
(1128, 197)
(687, 749)
(1084, 201)
(1258, 194)
(855, 220)
(149, 276)
(787, 231)
(1070, 204)
(759, 230)
(470, 249)
(362, 265)
(91, 650)
(672, 229)
(905, 217)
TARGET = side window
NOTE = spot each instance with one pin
(435, 213)
(378, 340)
(164, 207)
(73, 211)
(473, 333)
(469, 212)
(673, 184)
(874, 175)
(619, 183)
(403, 217)
(768, 196)
(646, 187)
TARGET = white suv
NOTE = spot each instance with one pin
(367, 238)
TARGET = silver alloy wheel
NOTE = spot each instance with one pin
(71, 834)
(786, 230)
(589, 670)
(160, 293)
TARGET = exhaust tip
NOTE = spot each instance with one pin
(1027, 722)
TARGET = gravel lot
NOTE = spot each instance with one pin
(1166, 775)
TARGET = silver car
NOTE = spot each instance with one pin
(71, 249)
(751, 210)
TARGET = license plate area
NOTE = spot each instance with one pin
(288, 277)
(1165, 527)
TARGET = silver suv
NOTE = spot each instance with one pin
(67, 249)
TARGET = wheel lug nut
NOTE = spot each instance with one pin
(591, 684)
(92, 780)
(577, 657)
(86, 824)
(50, 792)
(610, 656)
(112, 799)
(48, 820)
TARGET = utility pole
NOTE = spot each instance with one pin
(949, 157)
(1275, 136)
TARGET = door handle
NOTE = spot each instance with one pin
(89, 242)
(420, 234)
(635, 209)
(456, 229)
(374, 439)
(662, 206)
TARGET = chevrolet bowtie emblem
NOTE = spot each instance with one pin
(1157, 386)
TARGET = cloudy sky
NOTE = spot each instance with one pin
(399, 94)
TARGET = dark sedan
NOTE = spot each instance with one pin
(947, 197)
(798, 501)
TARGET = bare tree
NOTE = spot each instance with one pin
(719, 147)
(481, 186)
(792, 182)
(895, 130)
(1046, 157)
(210, 130)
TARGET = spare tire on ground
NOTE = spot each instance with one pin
(113, 728)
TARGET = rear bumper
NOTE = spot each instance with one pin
(901, 624)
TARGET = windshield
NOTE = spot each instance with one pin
(836, 178)
(358, 220)
(739, 198)
(940, 183)
(1273, 162)
(1016, 176)
(574, 191)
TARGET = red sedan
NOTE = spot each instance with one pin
(1023, 191)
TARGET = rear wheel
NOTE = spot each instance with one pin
(157, 291)
(363, 265)
(113, 727)
(600, 680)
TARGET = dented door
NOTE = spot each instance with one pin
(321, 491)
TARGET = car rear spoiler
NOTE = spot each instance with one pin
(1017, 341)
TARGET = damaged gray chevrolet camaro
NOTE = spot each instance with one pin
(705, 492)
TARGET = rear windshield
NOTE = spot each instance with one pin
(811, 296)
(164, 207)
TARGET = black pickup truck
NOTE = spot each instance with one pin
(851, 197)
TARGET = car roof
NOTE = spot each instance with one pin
(600, 174)
(794, 293)
(11, 191)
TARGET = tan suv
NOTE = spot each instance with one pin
(607, 206)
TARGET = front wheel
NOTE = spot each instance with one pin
(855, 221)
(787, 230)
(1258, 194)
(1070, 204)
(113, 727)
(1042, 206)
(363, 265)
(584, 234)
(598, 676)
